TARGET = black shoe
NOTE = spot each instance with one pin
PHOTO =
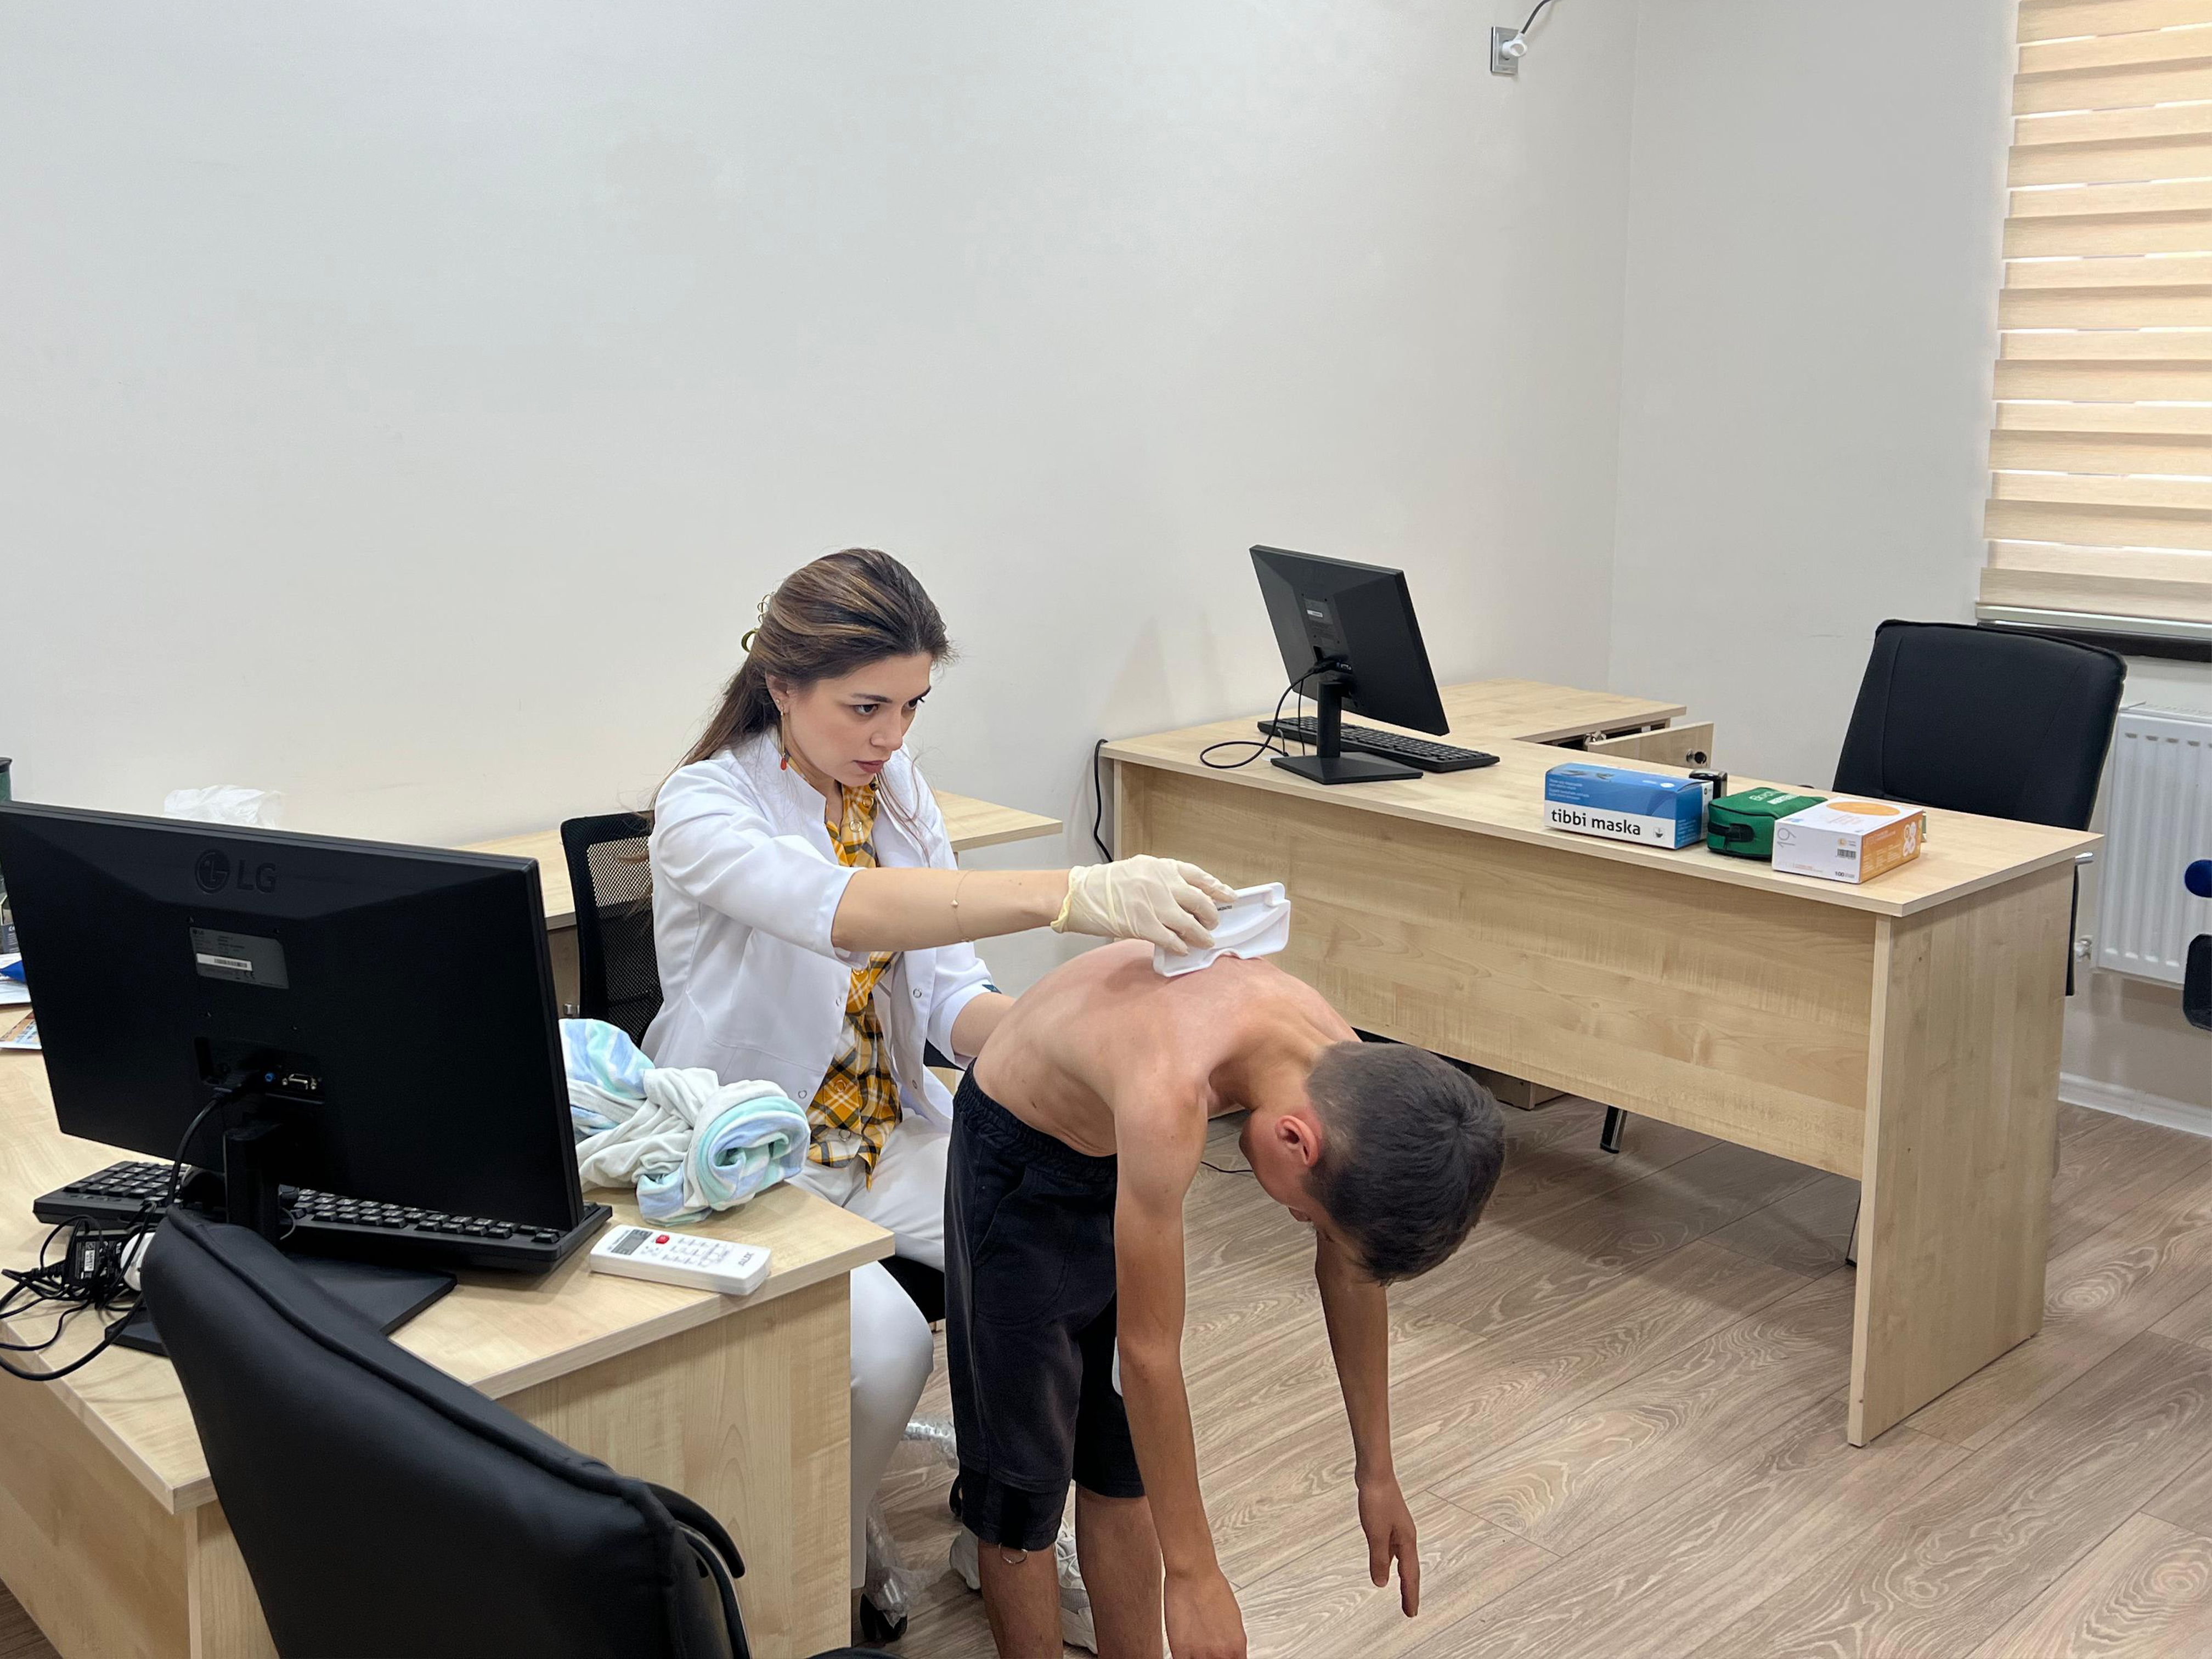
(876, 1626)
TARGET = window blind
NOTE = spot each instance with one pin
(2100, 513)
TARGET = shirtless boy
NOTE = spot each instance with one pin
(1076, 1135)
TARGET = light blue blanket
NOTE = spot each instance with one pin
(690, 1143)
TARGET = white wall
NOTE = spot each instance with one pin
(406, 407)
(1812, 271)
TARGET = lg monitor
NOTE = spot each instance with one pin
(291, 1011)
(1348, 631)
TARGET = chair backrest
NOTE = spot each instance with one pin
(618, 976)
(1980, 720)
(384, 1508)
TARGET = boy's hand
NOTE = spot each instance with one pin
(1204, 1621)
(1389, 1525)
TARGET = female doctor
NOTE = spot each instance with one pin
(813, 930)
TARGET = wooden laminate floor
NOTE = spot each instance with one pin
(1619, 1421)
(19, 1637)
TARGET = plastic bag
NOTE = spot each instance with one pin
(936, 1433)
(227, 803)
(890, 1584)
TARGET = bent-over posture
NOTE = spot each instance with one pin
(1075, 1136)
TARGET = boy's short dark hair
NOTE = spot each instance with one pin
(1411, 1149)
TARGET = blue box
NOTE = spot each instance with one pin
(1646, 807)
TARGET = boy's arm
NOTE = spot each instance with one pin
(1158, 1155)
(1357, 1312)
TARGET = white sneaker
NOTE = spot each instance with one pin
(1076, 1627)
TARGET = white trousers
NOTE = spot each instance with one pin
(892, 1350)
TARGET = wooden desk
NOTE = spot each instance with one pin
(1537, 712)
(110, 1533)
(1905, 1032)
(971, 824)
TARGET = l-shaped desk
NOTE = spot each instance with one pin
(1905, 1033)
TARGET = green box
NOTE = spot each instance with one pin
(1741, 825)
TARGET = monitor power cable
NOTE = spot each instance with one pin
(1258, 747)
(89, 1274)
(1270, 744)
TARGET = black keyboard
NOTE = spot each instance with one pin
(1390, 745)
(357, 1229)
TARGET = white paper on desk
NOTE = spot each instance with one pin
(12, 992)
(23, 1033)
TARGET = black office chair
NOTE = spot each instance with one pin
(618, 973)
(1978, 720)
(383, 1508)
(1985, 721)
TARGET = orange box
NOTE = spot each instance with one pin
(1849, 840)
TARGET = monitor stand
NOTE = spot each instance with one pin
(1328, 763)
(386, 1297)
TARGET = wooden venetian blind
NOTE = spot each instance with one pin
(2100, 505)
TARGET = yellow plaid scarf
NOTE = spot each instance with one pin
(857, 1107)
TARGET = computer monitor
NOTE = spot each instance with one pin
(379, 1018)
(1348, 631)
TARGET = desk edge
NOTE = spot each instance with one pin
(1657, 714)
(1729, 872)
(704, 1311)
(1036, 831)
(191, 1494)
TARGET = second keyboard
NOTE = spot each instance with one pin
(1428, 756)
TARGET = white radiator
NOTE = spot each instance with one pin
(2158, 811)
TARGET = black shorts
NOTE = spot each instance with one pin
(1028, 1325)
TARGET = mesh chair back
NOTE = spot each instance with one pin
(618, 974)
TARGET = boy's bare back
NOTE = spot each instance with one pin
(1106, 1027)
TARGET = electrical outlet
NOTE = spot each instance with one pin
(1503, 61)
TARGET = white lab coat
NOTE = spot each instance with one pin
(744, 886)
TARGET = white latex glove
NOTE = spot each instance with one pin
(1164, 901)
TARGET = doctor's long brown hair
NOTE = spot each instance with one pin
(826, 619)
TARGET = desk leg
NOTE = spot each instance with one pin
(224, 1608)
(1962, 1088)
(750, 1417)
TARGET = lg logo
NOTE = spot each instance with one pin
(215, 873)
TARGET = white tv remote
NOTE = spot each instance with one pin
(674, 1258)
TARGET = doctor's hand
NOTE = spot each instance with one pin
(1161, 901)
